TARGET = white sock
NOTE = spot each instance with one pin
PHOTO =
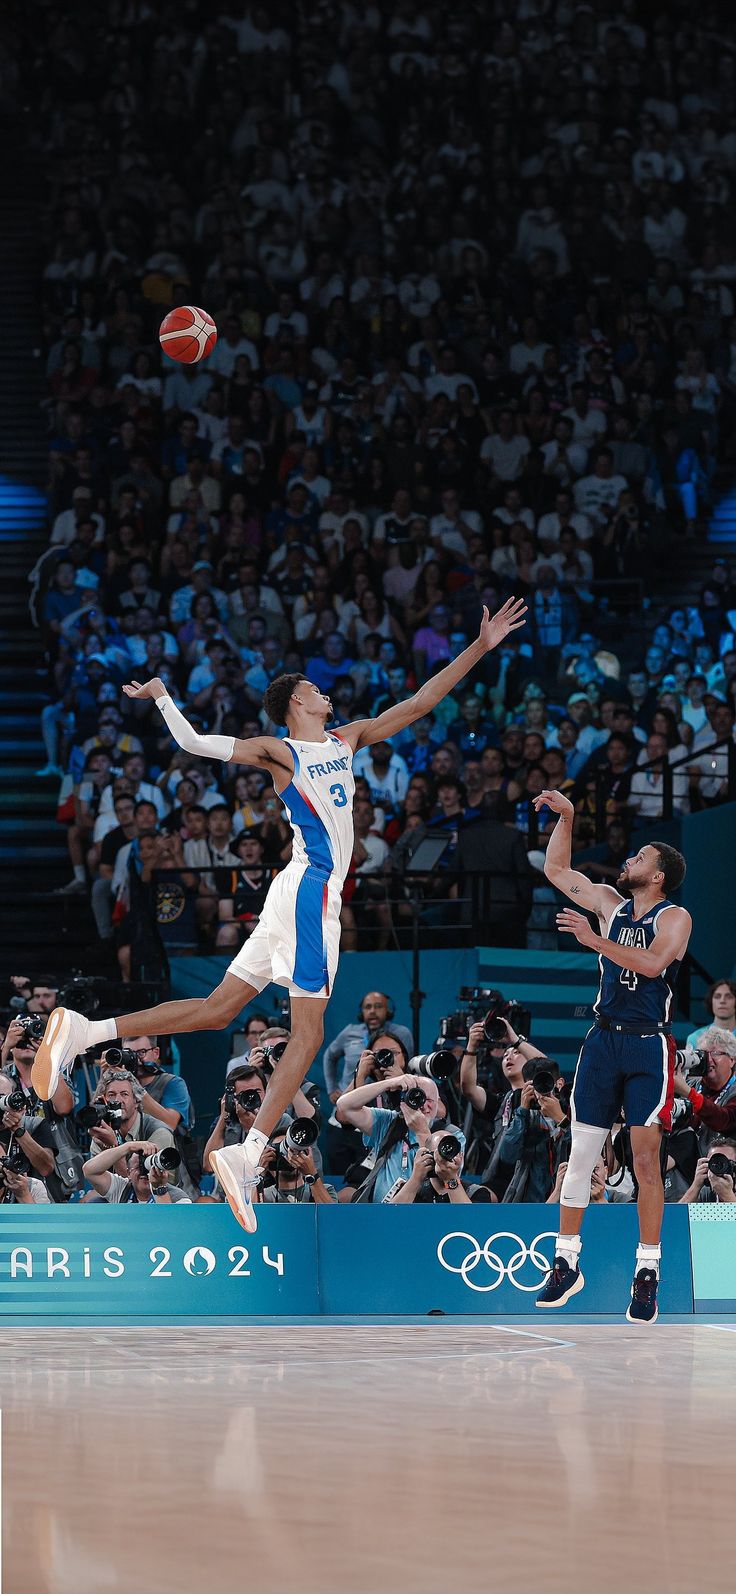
(569, 1247)
(79, 871)
(648, 1256)
(255, 1145)
(102, 1029)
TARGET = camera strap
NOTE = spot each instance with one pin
(393, 1137)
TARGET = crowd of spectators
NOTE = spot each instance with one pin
(382, 1126)
(472, 273)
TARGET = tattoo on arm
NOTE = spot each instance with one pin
(574, 891)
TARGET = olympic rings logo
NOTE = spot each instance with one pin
(500, 1270)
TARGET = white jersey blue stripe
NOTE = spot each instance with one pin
(319, 805)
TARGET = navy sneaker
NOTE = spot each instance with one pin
(561, 1283)
(643, 1305)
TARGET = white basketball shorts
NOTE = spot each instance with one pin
(296, 942)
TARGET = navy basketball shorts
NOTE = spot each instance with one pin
(636, 1072)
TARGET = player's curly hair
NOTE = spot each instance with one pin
(278, 695)
(672, 864)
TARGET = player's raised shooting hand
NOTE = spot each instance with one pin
(494, 628)
(572, 923)
(556, 801)
(153, 688)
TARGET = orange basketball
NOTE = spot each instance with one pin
(187, 334)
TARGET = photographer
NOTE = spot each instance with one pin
(715, 1175)
(599, 1192)
(136, 1183)
(242, 1099)
(19, 1188)
(435, 1176)
(538, 1136)
(119, 1089)
(293, 1175)
(712, 1098)
(23, 1038)
(31, 1129)
(514, 1053)
(384, 1059)
(267, 1056)
(340, 1059)
(167, 1099)
(392, 1135)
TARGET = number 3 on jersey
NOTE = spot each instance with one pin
(338, 796)
(628, 977)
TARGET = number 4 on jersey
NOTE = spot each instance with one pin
(628, 977)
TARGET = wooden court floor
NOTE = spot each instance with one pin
(337, 1458)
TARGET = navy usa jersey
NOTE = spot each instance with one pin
(624, 996)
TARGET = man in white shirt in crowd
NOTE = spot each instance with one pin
(647, 785)
(506, 450)
(386, 772)
(597, 495)
(564, 514)
(588, 425)
(709, 772)
(453, 526)
(527, 356)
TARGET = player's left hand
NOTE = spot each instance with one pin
(572, 923)
(509, 618)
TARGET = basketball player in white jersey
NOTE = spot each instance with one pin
(297, 939)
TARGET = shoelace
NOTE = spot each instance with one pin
(645, 1286)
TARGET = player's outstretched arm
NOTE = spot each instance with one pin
(263, 752)
(602, 900)
(493, 630)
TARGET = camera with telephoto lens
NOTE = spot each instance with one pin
(722, 1167)
(15, 1102)
(246, 1100)
(692, 1062)
(15, 1162)
(121, 1057)
(448, 1148)
(301, 1134)
(273, 1051)
(539, 1074)
(437, 1065)
(33, 1027)
(163, 1161)
(101, 1112)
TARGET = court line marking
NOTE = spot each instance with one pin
(722, 1328)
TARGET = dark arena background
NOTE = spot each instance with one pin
(327, 331)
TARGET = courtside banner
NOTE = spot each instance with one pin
(713, 1244)
(133, 1261)
(191, 1261)
(489, 1260)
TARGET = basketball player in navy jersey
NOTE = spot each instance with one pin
(628, 1056)
(297, 938)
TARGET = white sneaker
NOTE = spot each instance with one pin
(73, 888)
(66, 1035)
(239, 1180)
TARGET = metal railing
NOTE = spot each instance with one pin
(667, 771)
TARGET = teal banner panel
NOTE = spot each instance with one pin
(713, 1245)
(489, 1260)
(129, 1261)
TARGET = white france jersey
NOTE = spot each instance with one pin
(319, 805)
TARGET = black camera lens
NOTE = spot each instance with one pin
(247, 1100)
(448, 1147)
(494, 1030)
(722, 1167)
(384, 1058)
(415, 1097)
